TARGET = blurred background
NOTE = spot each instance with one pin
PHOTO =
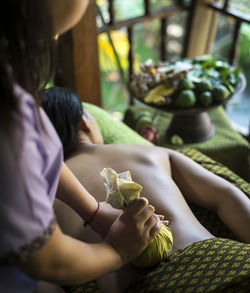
(114, 49)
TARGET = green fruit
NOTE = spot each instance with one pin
(220, 93)
(204, 85)
(185, 99)
(205, 98)
(177, 140)
(185, 84)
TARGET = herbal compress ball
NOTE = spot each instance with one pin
(121, 191)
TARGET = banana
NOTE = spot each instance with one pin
(157, 95)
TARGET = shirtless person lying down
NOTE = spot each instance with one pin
(169, 180)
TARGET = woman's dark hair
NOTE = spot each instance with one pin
(27, 53)
(65, 110)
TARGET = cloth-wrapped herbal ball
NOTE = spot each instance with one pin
(121, 191)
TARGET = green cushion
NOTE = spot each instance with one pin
(113, 130)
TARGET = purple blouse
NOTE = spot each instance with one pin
(28, 184)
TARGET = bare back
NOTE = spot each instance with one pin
(150, 167)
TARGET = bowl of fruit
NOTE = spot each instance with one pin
(188, 89)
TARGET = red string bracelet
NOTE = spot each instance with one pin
(88, 221)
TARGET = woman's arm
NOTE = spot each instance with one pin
(65, 260)
(210, 191)
(73, 193)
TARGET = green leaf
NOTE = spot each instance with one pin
(237, 71)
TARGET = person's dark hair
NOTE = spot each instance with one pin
(27, 53)
(65, 110)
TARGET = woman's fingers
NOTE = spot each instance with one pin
(146, 213)
(134, 229)
(136, 207)
(155, 229)
(153, 225)
(152, 221)
(161, 217)
(165, 222)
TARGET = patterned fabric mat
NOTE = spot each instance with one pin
(212, 265)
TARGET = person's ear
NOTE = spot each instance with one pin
(84, 125)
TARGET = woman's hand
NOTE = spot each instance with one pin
(133, 230)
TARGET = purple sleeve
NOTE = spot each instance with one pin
(27, 183)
